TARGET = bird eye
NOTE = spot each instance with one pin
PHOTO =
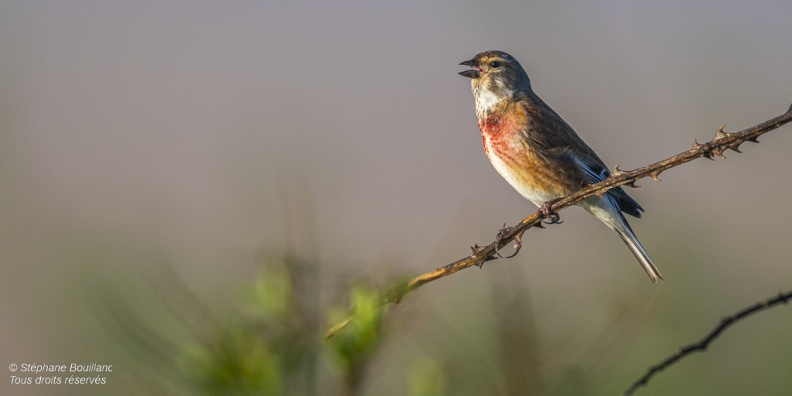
(495, 64)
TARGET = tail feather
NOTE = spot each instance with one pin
(638, 250)
(608, 212)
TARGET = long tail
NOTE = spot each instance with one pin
(625, 232)
(608, 212)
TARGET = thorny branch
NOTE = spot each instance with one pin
(716, 147)
(703, 343)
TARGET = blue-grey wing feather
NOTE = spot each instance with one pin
(595, 173)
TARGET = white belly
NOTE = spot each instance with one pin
(536, 196)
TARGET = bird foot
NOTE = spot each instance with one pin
(517, 241)
(550, 217)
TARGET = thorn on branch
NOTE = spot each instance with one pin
(734, 147)
(477, 255)
(720, 134)
(696, 145)
(617, 172)
(655, 176)
(704, 149)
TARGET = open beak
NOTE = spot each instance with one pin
(470, 73)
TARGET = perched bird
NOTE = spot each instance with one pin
(538, 153)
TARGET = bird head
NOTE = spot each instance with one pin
(495, 75)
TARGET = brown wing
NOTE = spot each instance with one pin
(550, 134)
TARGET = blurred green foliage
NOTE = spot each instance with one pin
(238, 361)
(271, 341)
(352, 348)
(269, 346)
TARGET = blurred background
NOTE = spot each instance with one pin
(192, 191)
